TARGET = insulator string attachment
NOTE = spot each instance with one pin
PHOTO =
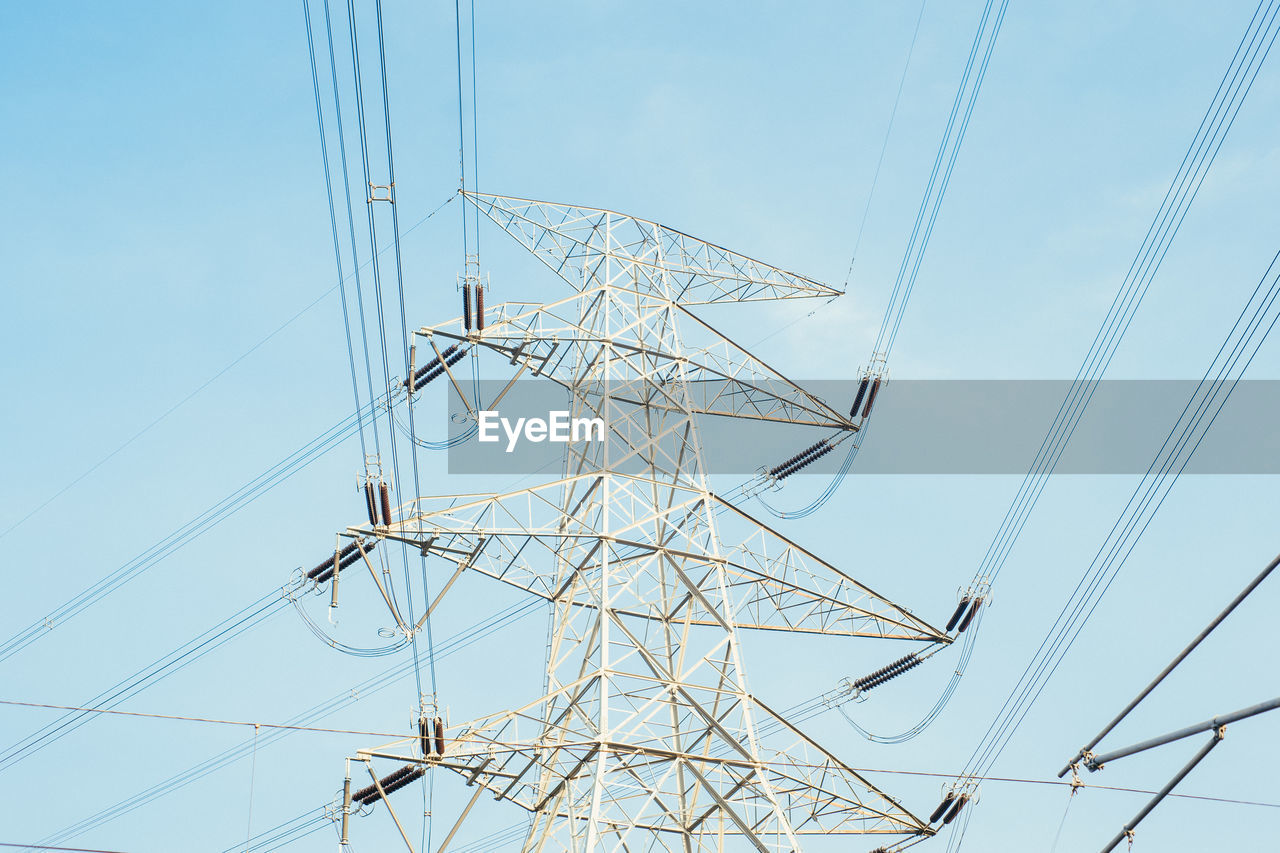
(802, 460)
(955, 616)
(390, 783)
(386, 502)
(338, 556)
(887, 673)
(345, 561)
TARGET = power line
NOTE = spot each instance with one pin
(45, 847)
(184, 535)
(350, 696)
(333, 223)
(351, 223)
(307, 820)
(475, 125)
(369, 733)
(1217, 121)
(1060, 784)
(158, 670)
(1200, 155)
(186, 718)
(884, 145)
(157, 420)
(952, 139)
(931, 203)
(462, 143)
(1239, 348)
(284, 833)
(404, 336)
(201, 387)
(208, 519)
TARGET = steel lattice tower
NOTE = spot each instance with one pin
(647, 725)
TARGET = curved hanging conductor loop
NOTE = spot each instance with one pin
(966, 652)
(827, 493)
(434, 369)
(358, 550)
(354, 651)
(447, 444)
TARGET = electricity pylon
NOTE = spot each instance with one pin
(647, 725)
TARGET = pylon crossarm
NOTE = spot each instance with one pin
(512, 772)
(822, 762)
(720, 356)
(728, 380)
(802, 602)
(817, 796)
(574, 240)
(823, 794)
(528, 540)
(771, 564)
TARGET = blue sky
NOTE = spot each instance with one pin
(164, 211)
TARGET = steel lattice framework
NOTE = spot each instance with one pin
(647, 725)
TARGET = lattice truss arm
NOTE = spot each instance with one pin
(578, 242)
(528, 540)
(703, 783)
(719, 377)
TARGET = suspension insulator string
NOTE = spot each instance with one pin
(424, 735)
(390, 783)
(808, 451)
(386, 503)
(370, 792)
(346, 561)
(429, 373)
(371, 503)
(806, 459)
(338, 556)
(857, 399)
(888, 673)
(439, 732)
(955, 809)
(942, 807)
(426, 369)
(438, 370)
(871, 398)
(955, 616)
(968, 617)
